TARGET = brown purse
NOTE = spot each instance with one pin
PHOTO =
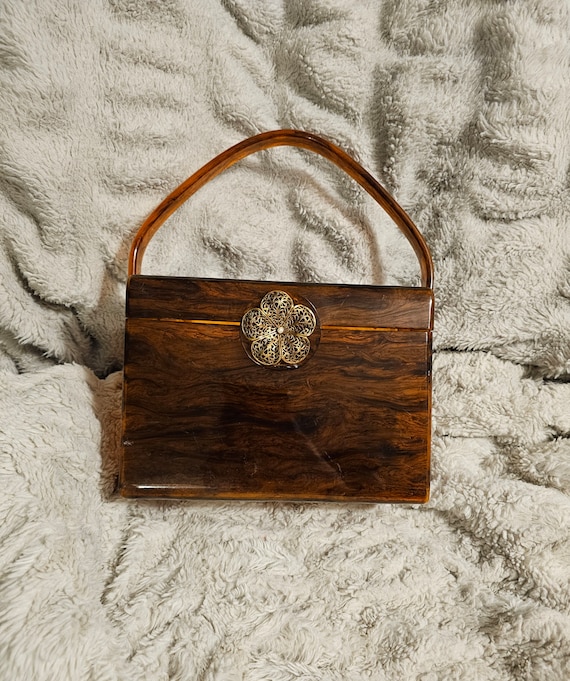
(276, 391)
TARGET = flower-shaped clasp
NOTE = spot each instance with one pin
(279, 330)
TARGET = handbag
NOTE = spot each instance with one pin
(256, 390)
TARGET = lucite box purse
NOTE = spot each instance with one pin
(256, 390)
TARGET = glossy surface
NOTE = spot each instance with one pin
(203, 421)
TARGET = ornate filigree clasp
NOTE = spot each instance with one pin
(279, 330)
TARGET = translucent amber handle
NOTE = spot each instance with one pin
(276, 138)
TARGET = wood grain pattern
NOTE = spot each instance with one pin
(202, 420)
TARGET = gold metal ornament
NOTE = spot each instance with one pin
(279, 330)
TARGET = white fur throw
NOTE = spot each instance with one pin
(462, 109)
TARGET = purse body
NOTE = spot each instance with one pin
(202, 420)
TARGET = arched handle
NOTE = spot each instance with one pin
(276, 138)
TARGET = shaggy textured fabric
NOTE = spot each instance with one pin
(462, 109)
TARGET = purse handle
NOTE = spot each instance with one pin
(276, 138)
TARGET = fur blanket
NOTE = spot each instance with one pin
(462, 109)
